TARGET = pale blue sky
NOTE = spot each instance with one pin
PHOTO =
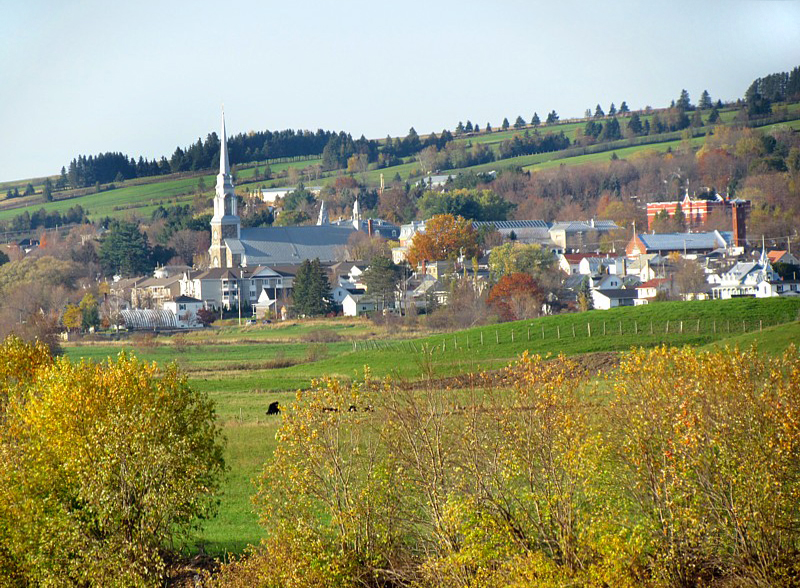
(144, 77)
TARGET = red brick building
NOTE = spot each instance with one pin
(697, 212)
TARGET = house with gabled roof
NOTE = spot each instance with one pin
(683, 243)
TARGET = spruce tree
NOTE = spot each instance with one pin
(311, 290)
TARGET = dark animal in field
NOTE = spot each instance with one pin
(273, 408)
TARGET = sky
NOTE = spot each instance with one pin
(90, 76)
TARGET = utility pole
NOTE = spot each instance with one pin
(239, 294)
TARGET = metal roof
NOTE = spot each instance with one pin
(680, 241)
(290, 245)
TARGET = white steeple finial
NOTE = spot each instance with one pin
(764, 259)
(224, 164)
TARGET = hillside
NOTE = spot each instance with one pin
(139, 197)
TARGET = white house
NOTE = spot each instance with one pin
(611, 298)
(185, 310)
(357, 304)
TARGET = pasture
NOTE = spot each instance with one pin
(244, 369)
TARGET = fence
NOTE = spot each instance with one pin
(630, 329)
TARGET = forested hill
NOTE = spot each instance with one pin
(338, 148)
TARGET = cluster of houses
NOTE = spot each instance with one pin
(255, 268)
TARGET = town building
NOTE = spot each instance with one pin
(696, 211)
(682, 243)
(233, 246)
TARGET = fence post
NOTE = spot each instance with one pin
(620, 327)
(604, 328)
(573, 331)
(698, 325)
(760, 325)
(744, 327)
(635, 327)
(481, 337)
(455, 342)
(681, 326)
(558, 331)
(529, 332)
(542, 332)
(715, 326)
(589, 328)
(512, 335)
(496, 337)
(651, 327)
(667, 331)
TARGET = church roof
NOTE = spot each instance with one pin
(291, 245)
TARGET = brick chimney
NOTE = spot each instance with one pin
(739, 215)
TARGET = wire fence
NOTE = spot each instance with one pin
(672, 329)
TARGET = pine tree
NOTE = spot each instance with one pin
(612, 110)
(519, 123)
(585, 301)
(598, 112)
(535, 120)
(311, 289)
(505, 124)
(705, 101)
(623, 108)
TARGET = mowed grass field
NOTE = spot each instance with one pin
(233, 365)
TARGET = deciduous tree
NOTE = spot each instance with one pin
(103, 466)
(445, 237)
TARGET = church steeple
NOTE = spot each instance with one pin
(224, 164)
(225, 223)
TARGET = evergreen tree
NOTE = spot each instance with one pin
(598, 112)
(585, 301)
(468, 127)
(460, 128)
(505, 124)
(611, 132)
(124, 250)
(311, 290)
(623, 108)
(488, 128)
(535, 120)
(612, 110)
(552, 118)
(381, 278)
(47, 190)
(635, 124)
(713, 116)
(519, 123)
(705, 101)
(477, 128)
(29, 190)
(683, 101)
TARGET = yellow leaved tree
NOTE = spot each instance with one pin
(102, 466)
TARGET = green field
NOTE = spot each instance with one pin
(229, 363)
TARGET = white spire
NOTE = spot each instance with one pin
(224, 164)
(356, 216)
(322, 219)
(764, 259)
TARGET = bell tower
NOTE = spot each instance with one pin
(225, 223)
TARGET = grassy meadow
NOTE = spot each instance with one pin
(245, 368)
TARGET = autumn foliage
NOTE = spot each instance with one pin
(681, 470)
(445, 238)
(516, 296)
(103, 465)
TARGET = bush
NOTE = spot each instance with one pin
(104, 465)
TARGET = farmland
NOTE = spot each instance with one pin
(240, 368)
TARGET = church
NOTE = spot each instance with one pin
(233, 246)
